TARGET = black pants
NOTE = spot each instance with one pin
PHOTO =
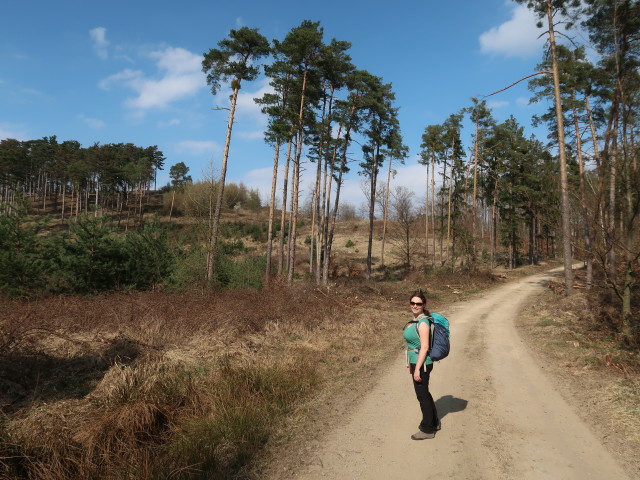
(430, 422)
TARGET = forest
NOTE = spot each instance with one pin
(80, 220)
(576, 195)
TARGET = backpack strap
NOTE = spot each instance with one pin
(431, 329)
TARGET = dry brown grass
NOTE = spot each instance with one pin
(155, 385)
(124, 385)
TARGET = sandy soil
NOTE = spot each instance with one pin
(501, 416)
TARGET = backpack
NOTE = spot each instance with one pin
(438, 336)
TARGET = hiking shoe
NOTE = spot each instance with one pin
(420, 435)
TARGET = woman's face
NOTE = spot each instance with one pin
(416, 305)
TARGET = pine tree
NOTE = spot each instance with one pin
(234, 62)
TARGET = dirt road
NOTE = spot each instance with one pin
(501, 416)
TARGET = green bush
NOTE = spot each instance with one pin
(240, 229)
(349, 244)
(22, 263)
(245, 272)
(190, 269)
(232, 248)
(149, 257)
(92, 259)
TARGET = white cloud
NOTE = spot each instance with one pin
(517, 37)
(523, 101)
(100, 43)
(497, 104)
(94, 123)
(246, 107)
(170, 123)
(239, 22)
(252, 135)
(196, 147)
(180, 77)
(31, 91)
(127, 77)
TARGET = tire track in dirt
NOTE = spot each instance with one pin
(501, 416)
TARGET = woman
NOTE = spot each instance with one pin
(416, 334)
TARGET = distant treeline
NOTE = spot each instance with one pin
(76, 178)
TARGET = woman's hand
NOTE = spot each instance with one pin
(416, 375)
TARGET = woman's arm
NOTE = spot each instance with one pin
(423, 333)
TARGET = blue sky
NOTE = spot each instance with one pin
(130, 71)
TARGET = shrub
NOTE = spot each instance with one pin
(91, 259)
(21, 261)
(349, 244)
(190, 269)
(240, 229)
(232, 248)
(198, 198)
(149, 257)
(245, 272)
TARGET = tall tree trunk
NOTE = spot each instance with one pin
(173, 199)
(494, 225)
(295, 196)
(315, 229)
(384, 213)
(611, 233)
(601, 179)
(95, 214)
(334, 215)
(372, 204)
(426, 218)
(283, 213)
(324, 221)
(223, 174)
(272, 204)
(564, 183)
(433, 209)
(583, 197)
(474, 209)
(449, 204)
(296, 176)
(326, 215)
(631, 212)
(315, 200)
(442, 189)
(64, 192)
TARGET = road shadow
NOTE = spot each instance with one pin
(450, 404)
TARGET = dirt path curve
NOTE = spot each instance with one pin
(501, 417)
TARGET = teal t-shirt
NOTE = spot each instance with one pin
(410, 335)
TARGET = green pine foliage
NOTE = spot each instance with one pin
(150, 258)
(21, 259)
(90, 259)
(240, 273)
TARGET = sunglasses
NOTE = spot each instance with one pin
(417, 304)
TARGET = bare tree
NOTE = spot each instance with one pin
(403, 231)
